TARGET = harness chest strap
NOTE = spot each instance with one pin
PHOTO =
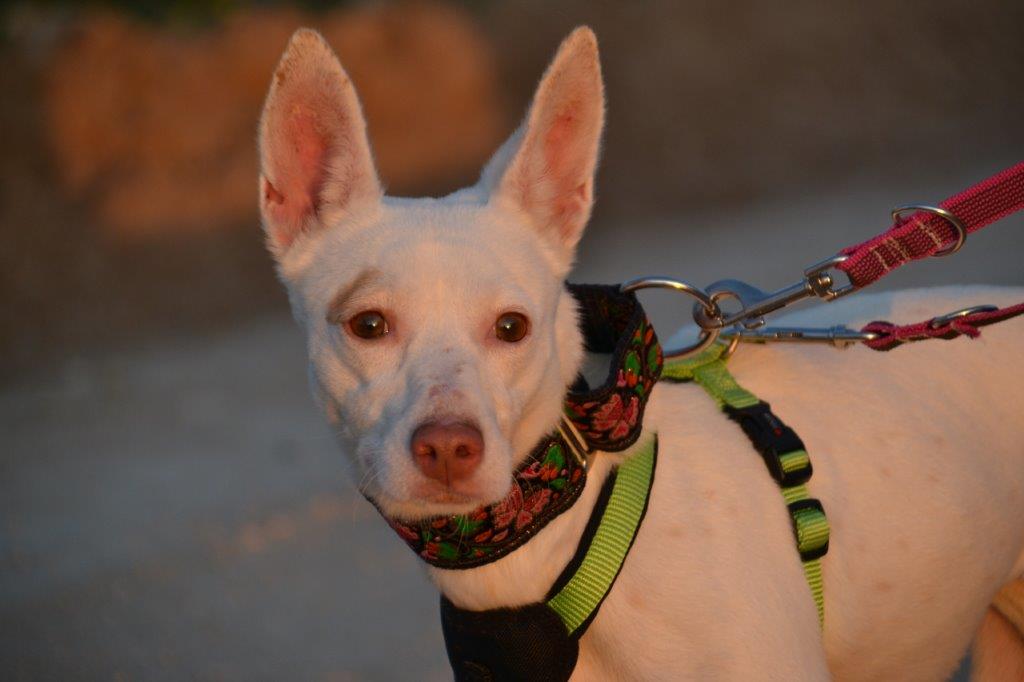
(540, 642)
(576, 602)
(781, 448)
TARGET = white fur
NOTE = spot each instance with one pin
(918, 453)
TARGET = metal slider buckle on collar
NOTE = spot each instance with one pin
(581, 450)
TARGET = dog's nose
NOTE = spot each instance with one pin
(447, 452)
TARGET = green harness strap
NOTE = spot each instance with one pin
(577, 601)
(809, 523)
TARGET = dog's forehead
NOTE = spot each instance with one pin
(427, 247)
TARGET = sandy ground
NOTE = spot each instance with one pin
(179, 511)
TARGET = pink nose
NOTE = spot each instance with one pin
(447, 452)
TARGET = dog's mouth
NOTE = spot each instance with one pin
(426, 500)
(438, 493)
(420, 497)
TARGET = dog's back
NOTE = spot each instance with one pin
(918, 459)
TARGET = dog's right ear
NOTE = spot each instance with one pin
(315, 160)
(547, 169)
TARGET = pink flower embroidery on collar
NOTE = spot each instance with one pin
(615, 417)
(516, 508)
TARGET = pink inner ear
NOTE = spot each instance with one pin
(299, 149)
(565, 157)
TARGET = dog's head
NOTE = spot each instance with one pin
(440, 334)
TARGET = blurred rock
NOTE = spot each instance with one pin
(155, 127)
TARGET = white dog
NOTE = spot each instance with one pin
(441, 341)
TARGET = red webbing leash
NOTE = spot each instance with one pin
(925, 234)
(929, 231)
(889, 335)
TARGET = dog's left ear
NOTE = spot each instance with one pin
(547, 168)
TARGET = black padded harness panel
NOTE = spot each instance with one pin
(528, 643)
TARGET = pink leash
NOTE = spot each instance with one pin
(889, 335)
(926, 233)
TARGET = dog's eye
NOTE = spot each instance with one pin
(511, 327)
(369, 324)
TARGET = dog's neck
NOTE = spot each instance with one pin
(555, 486)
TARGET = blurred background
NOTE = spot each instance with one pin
(171, 505)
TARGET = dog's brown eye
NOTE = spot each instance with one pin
(369, 324)
(511, 327)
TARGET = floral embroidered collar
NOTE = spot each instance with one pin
(608, 418)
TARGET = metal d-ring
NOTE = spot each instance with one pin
(730, 348)
(734, 342)
(943, 320)
(961, 231)
(706, 336)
